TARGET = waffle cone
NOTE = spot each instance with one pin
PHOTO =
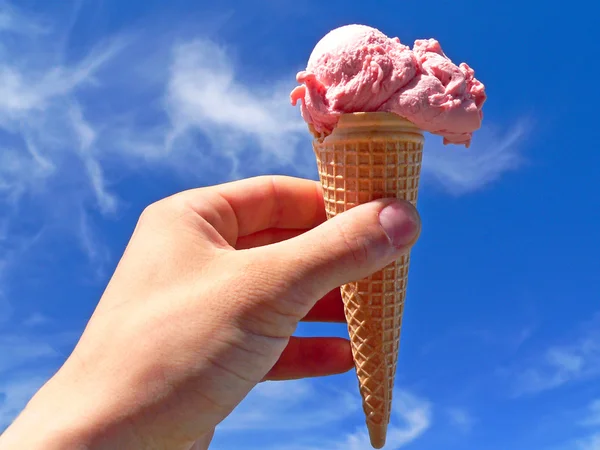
(370, 156)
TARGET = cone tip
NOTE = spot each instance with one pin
(377, 435)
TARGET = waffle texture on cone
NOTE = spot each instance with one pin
(370, 156)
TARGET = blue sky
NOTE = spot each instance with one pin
(106, 106)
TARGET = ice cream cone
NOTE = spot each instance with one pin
(370, 156)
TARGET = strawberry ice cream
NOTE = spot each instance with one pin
(357, 68)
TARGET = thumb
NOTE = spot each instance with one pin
(348, 247)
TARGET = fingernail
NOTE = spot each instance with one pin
(401, 223)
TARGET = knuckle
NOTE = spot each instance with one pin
(150, 211)
(161, 209)
(147, 217)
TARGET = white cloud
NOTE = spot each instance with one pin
(313, 412)
(13, 246)
(412, 417)
(42, 128)
(247, 124)
(591, 442)
(19, 350)
(275, 406)
(590, 422)
(11, 20)
(86, 136)
(96, 251)
(36, 319)
(6, 309)
(48, 159)
(20, 170)
(461, 418)
(460, 171)
(563, 364)
(592, 418)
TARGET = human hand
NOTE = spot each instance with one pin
(202, 307)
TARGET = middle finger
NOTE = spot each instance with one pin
(329, 309)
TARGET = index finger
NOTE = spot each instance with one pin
(244, 207)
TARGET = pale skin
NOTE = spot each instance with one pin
(202, 307)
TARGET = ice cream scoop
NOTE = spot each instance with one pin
(356, 68)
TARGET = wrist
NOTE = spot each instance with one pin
(40, 426)
(60, 416)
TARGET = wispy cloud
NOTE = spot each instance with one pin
(316, 411)
(592, 415)
(6, 309)
(46, 146)
(412, 417)
(274, 406)
(12, 250)
(458, 170)
(36, 319)
(85, 137)
(17, 350)
(255, 124)
(89, 241)
(590, 421)
(591, 442)
(461, 418)
(585, 435)
(563, 364)
(15, 21)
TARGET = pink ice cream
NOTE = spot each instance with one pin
(357, 68)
